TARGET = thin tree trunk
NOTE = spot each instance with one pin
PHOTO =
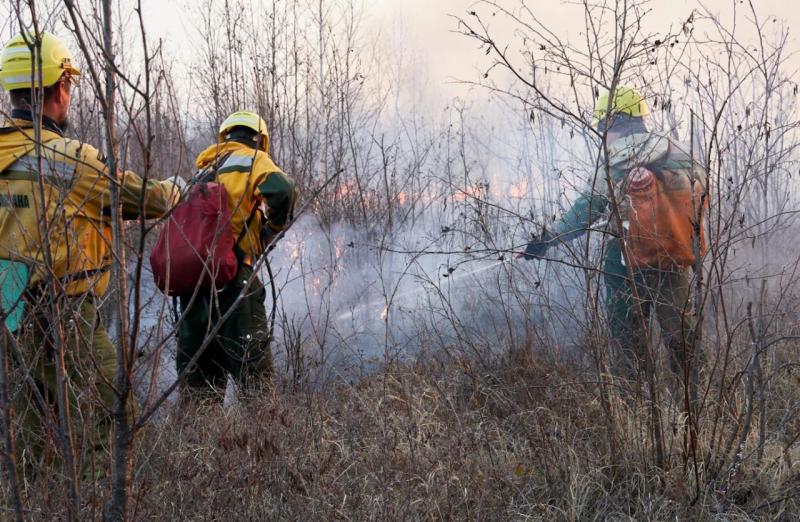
(7, 429)
(116, 508)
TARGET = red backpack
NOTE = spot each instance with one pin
(196, 246)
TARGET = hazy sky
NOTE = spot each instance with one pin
(425, 27)
(453, 55)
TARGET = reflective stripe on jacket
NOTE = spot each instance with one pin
(73, 217)
(250, 177)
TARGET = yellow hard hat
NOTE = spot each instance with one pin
(17, 62)
(626, 101)
(248, 119)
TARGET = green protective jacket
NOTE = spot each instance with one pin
(594, 204)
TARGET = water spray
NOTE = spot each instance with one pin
(385, 308)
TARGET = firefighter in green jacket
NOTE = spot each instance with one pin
(240, 161)
(663, 289)
(55, 223)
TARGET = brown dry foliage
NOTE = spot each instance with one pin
(525, 439)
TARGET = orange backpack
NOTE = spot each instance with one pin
(661, 212)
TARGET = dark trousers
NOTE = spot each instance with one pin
(664, 294)
(90, 362)
(240, 347)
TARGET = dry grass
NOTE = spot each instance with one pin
(525, 439)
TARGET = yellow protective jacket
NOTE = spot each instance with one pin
(251, 177)
(73, 218)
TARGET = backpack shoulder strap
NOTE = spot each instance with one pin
(209, 172)
(247, 224)
(237, 250)
(250, 218)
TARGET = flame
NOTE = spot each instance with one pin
(519, 190)
(385, 313)
(373, 198)
(294, 248)
(345, 189)
(477, 191)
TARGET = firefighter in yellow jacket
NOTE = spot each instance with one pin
(240, 161)
(55, 223)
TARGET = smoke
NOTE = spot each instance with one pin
(442, 282)
(434, 273)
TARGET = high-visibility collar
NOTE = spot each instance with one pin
(47, 122)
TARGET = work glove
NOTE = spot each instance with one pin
(537, 248)
(176, 188)
(267, 236)
(178, 182)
